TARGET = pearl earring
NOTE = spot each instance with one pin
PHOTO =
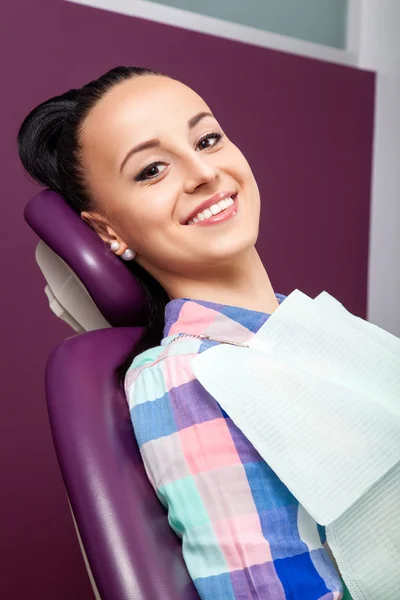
(114, 246)
(128, 254)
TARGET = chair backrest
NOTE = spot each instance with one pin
(132, 553)
(111, 286)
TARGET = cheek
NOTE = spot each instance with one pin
(237, 163)
(142, 219)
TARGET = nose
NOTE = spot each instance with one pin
(198, 172)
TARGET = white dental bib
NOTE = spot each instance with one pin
(317, 392)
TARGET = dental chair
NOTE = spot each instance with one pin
(129, 549)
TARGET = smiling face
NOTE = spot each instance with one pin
(166, 179)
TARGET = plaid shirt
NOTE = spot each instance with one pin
(244, 535)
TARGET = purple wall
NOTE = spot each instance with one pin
(306, 127)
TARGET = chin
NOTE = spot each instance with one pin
(231, 250)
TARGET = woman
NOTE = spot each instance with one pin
(143, 160)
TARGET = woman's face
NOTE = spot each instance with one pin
(159, 166)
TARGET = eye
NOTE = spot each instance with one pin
(151, 171)
(208, 141)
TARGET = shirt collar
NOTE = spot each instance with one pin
(195, 317)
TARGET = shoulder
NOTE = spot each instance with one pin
(152, 369)
(148, 358)
(142, 363)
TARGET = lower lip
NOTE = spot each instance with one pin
(221, 217)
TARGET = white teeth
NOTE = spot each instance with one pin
(213, 210)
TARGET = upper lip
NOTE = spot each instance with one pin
(207, 203)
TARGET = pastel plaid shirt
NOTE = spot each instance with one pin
(244, 535)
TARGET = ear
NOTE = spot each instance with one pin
(104, 230)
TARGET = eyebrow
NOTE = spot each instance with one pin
(194, 120)
(155, 142)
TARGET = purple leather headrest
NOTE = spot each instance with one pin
(112, 287)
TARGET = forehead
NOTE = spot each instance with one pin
(138, 109)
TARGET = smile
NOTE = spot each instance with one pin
(220, 211)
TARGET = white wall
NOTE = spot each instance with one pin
(379, 50)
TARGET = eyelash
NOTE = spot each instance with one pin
(208, 136)
(142, 175)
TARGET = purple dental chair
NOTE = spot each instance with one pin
(129, 549)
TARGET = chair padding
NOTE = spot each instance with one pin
(132, 551)
(110, 284)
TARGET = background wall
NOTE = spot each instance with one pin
(305, 126)
(320, 21)
(379, 49)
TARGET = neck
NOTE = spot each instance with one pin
(244, 283)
